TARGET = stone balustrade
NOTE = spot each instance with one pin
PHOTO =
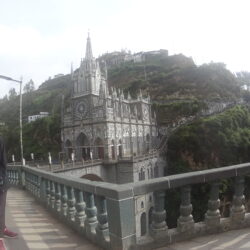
(106, 213)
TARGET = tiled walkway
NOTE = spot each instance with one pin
(38, 230)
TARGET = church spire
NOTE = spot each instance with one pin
(88, 55)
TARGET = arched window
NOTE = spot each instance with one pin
(143, 224)
(120, 149)
(82, 147)
(147, 142)
(142, 204)
(150, 216)
(68, 148)
(141, 175)
(156, 174)
(113, 149)
(99, 148)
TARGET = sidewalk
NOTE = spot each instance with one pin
(36, 227)
(38, 230)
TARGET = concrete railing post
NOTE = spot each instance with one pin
(185, 223)
(237, 213)
(91, 221)
(47, 193)
(80, 210)
(52, 195)
(212, 217)
(159, 225)
(102, 231)
(71, 204)
(121, 220)
(64, 205)
(58, 197)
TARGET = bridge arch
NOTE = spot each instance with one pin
(92, 177)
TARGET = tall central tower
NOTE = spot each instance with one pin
(89, 77)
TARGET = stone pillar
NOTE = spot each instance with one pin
(102, 231)
(71, 204)
(91, 221)
(47, 193)
(52, 194)
(185, 223)
(80, 210)
(43, 191)
(212, 217)
(121, 220)
(237, 213)
(159, 226)
(64, 205)
(58, 198)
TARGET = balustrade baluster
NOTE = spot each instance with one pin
(71, 204)
(43, 190)
(48, 192)
(91, 221)
(64, 207)
(102, 230)
(80, 209)
(237, 212)
(58, 197)
(212, 217)
(38, 191)
(159, 225)
(52, 194)
(185, 222)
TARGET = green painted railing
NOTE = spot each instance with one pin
(118, 216)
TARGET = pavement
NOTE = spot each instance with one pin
(39, 230)
(36, 227)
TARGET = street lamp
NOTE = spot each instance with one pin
(21, 123)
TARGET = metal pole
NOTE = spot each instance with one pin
(21, 123)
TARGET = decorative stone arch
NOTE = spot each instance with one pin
(68, 148)
(150, 216)
(147, 143)
(141, 174)
(82, 147)
(143, 223)
(92, 177)
(120, 149)
(99, 148)
(113, 149)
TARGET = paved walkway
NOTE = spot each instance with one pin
(38, 230)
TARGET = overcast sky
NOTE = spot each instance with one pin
(40, 38)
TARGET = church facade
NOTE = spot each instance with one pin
(111, 135)
(104, 124)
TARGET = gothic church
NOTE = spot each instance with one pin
(102, 125)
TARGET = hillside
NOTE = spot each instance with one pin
(176, 85)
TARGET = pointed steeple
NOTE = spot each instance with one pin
(88, 54)
(72, 71)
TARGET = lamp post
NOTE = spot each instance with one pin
(21, 123)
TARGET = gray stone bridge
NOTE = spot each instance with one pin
(105, 213)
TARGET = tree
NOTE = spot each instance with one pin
(12, 93)
(29, 87)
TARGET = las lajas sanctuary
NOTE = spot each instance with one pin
(111, 134)
(104, 127)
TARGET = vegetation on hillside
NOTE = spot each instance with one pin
(176, 85)
(214, 141)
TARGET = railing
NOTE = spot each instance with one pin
(108, 214)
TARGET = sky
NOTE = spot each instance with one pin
(41, 38)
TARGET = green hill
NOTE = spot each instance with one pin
(176, 85)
